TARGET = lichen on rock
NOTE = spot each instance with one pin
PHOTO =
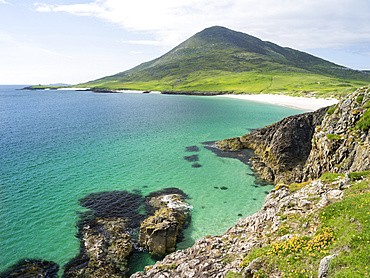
(105, 248)
(303, 147)
(281, 148)
(159, 233)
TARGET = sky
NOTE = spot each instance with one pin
(75, 41)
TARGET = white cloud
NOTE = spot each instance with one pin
(4, 2)
(299, 24)
(145, 42)
(136, 52)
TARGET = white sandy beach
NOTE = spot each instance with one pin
(302, 103)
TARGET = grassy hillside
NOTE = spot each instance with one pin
(219, 59)
(341, 228)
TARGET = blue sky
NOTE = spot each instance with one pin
(74, 41)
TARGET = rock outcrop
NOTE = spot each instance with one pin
(303, 147)
(282, 148)
(108, 232)
(104, 251)
(32, 268)
(216, 256)
(159, 233)
(342, 142)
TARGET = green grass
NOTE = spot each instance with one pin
(294, 84)
(233, 275)
(364, 122)
(343, 230)
(330, 177)
(332, 110)
(354, 176)
(333, 136)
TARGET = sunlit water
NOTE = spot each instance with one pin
(58, 146)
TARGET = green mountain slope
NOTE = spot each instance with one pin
(219, 59)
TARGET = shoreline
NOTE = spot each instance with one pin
(302, 103)
(306, 104)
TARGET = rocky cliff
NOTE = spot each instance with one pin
(341, 143)
(281, 148)
(301, 147)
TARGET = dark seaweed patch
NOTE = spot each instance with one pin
(243, 155)
(121, 204)
(196, 165)
(32, 268)
(239, 214)
(192, 158)
(192, 149)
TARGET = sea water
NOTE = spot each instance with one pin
(58, 146)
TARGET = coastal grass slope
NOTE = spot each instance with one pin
(341, 231)
(222, 60)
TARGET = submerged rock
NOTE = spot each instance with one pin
(32, 268)
(192, 158)
(159, 233)
(192, 149)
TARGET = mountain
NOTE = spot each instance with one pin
(219, 59)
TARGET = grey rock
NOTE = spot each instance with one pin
(251, 268)
(324, 266)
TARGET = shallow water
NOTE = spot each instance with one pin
(58, 146)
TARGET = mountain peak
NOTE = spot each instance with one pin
(206, 58)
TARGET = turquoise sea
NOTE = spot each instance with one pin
(58, 146)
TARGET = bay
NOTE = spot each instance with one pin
(58, 146)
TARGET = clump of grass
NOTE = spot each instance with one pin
(358, 175)
(330, 177)
(333, 136)
(296, 186)
(360, 98)
(364, 122)
(331, 110)
(233, 275)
